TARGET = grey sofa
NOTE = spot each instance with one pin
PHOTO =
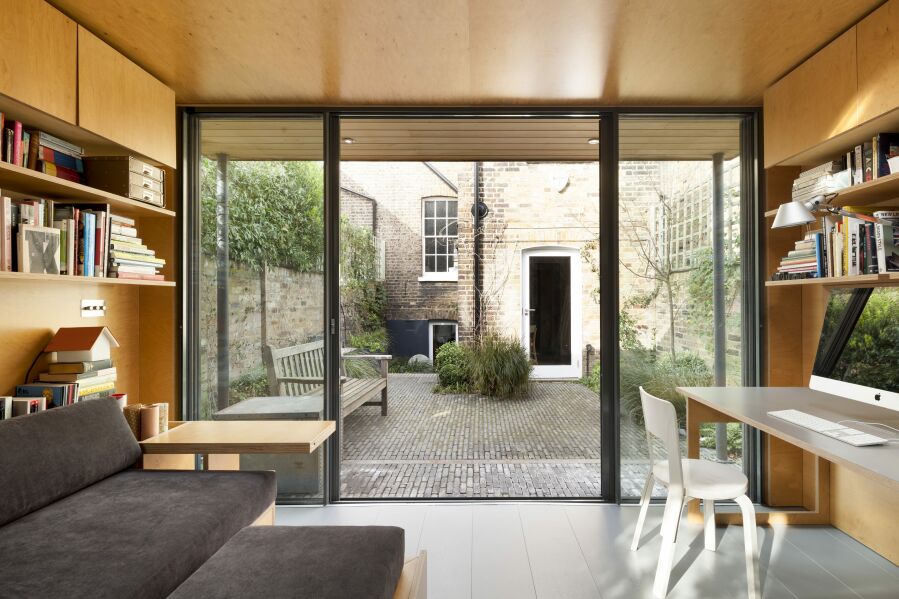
(77, 520)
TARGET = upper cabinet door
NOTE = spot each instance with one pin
(123, 103)
(38, 57)
(814, 102)
(878, 62)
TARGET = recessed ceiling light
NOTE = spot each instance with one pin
(349, 140)
(593, 141)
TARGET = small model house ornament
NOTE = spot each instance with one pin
(81, 344)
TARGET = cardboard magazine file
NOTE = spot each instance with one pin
(81, 344)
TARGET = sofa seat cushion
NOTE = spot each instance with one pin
(302, 562)
(136, 534)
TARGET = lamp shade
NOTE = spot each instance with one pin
(792, 214)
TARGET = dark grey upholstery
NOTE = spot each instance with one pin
(47, 456)
(137, 534)
(304, 562)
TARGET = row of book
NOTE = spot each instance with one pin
(844, 246)
(865, 162)
(64, 384)
(40, 151)
(87, 240)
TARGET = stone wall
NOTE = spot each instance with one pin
(293, 305)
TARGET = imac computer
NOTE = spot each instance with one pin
(858, 353)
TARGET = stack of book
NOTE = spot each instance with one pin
(802, 262)
(66, 383)
(823, 179)
(129, 257)
(40, 151)
(85, 240)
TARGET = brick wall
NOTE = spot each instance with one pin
(294, 309)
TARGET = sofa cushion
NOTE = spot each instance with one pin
(302, 562)
(49, 455)
(136, 534)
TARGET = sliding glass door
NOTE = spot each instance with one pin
(258, 279)
(431, 281)
(681, 237)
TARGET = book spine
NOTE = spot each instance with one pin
(47, 139)
(26, 148)
(17, 143)
(48, 154)
(48, 168)
(6, 234)
(859, 164)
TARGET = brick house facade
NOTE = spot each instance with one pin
(532, 206)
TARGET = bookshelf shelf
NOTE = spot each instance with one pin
(33, 183)
(870, 193)
(42, 278)
(878, 280)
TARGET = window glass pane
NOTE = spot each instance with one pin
(441, 208)
(441, 264)
(429, 208)
(453, 229)
(430, 262)
(452, 208)
(272, 293)
(667, 318)
(430, 245)
(429, 226)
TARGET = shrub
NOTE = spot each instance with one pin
(592, 380)
(254, 384)
(734, 438)
(372, 342)
(499, 367)
(660, 376)
(404, 366)
(453, 366)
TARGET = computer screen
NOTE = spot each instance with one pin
(858, 352)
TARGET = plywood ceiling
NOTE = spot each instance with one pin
(470, 139)
(429, 52)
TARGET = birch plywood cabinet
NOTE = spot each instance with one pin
(38, 57)
(814, 102)
(123, 103)
(878, 62)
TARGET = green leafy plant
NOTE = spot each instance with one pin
(499, 367)
(372, 342)
(592, 380)
(660, 376)
(453, 366)
(734, 438)
(254, 384)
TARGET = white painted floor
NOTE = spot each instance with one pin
(555, 550)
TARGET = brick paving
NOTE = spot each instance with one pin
(430, 445)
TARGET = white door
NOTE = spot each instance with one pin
(551, 311)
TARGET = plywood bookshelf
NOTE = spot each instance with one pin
(141, 314)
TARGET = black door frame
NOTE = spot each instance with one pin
(752, 189)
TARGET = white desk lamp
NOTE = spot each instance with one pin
(794, 214)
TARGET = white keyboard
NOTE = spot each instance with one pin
(846, 434)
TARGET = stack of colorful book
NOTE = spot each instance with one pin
(129, 257)
(66, 383)
(802, 262)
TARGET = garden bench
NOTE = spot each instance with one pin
(300, 370)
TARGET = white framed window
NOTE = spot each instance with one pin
(440, 332)
(439, 236)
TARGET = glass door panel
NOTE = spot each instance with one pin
(260, 282)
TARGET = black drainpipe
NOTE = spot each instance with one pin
(476, 216)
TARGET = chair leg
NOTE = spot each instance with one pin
(644, 507)
(750, 542)
(708, 521)
(670, 523)
(383, 402)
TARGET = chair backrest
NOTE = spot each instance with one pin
(660, 419)
(306, 360)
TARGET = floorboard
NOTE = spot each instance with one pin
(582, 551)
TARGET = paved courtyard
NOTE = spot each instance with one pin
(543, 445)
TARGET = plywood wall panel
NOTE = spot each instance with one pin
(38, 57)
(814, 102)
(123, 103)
(878, 62)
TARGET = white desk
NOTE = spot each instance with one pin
(752, 404)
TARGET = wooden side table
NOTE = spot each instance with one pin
(221, 442)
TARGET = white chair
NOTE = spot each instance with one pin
(685, 480)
